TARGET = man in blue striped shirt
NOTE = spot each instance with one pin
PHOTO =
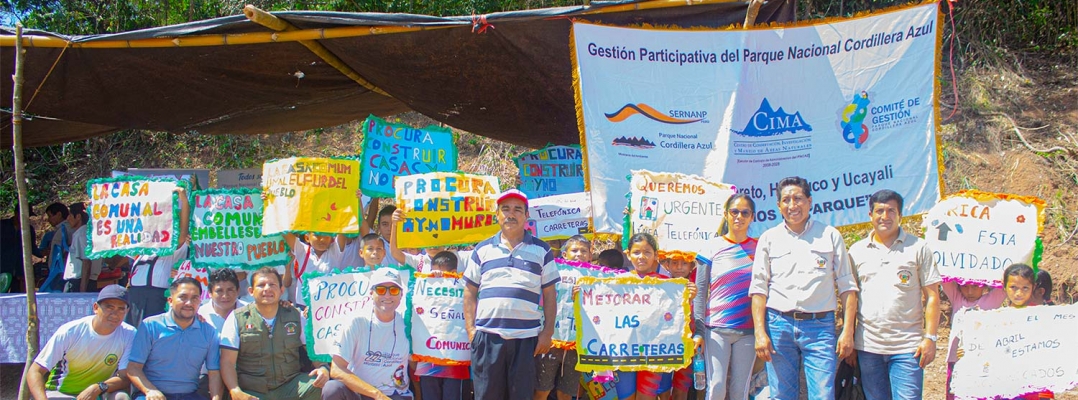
(505, 276)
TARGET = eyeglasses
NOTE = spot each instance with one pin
(392, 290)
(743, 213)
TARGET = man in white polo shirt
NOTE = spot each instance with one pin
(799, 265)
(896, 335)
(505, 276)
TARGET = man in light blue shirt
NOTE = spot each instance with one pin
(171, 348)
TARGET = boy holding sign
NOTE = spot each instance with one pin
(557, 369)
(443, 382)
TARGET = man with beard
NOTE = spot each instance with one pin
(263, 349)
(505, 276)
(88, 356)
(171, 348)
(372, 354)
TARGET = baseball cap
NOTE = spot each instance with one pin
(513, 194)
(386, 275)
(112, 292)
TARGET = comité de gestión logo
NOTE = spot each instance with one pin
(767, 121)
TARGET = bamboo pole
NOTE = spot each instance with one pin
(270, 21)
(752, 12)
(306, 34)
(32, 341)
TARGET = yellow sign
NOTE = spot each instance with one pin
(446, 208)
(305, 194)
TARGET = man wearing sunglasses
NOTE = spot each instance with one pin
(371, 358)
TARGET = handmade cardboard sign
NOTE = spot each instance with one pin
(1010, 352)
(437, 320)
(446, 209)
(975, 235)
(226, 231)
(551, 170)
(132, 216)
(683, 212)
(333, 300)
(632, 324)
(391, 150)
(571, 272)
(559, 216)
(305, 194)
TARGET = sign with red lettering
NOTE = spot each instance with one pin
(226, 231)
(436, 320)
(132, 216)
(975, 235)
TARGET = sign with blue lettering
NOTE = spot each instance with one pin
(975, 235)
(629, 323)
(551, 170)
(436, 320)
(1011, 352)
(571, 272)
(846, 104)
(683, 212)
(391, 150)
(334, 299)
(560, 216)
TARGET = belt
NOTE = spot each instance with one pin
(801, 316)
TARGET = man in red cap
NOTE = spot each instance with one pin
(505, 277)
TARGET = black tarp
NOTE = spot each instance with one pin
(513, 82)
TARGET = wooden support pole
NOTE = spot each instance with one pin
(270, 21)
(32, 340)
(752, 12)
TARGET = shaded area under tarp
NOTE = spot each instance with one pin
(513, 82)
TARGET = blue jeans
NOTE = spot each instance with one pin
(890, 377)
(812, 341)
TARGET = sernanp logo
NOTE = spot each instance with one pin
(674, 117)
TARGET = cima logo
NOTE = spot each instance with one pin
(675, 117)
(767, 121)
(854, 130)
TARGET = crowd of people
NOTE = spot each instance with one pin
(774, 298)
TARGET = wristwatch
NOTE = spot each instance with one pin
(103, 387)
(933, 338)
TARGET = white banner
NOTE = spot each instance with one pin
(848, 105)
(975, 235)
(1015, 351)
(571, 272)
(683, 212)
(333, 301)
(437, 321)
(632, 324)
(560, 216)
